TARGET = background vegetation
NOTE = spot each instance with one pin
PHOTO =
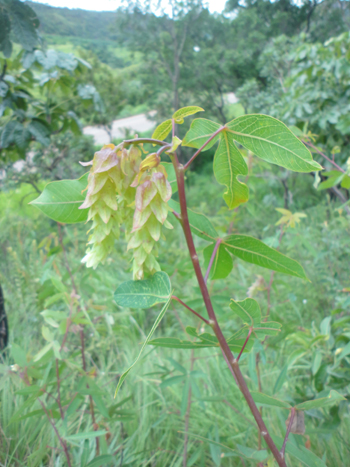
(78, 67)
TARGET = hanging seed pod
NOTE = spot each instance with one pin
(151, 211)
(111, 174)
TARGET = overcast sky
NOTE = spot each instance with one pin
(110, 5)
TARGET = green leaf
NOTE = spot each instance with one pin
(200, 225)
(333, 398)
(200, 131)
(171, 381)
(250, 453)
(144, 294)
(85, 454)
(222, 264)
(162, 130)
(47, 334)
(228, 164)
(344, 353)
(101, 460)
(157, 321)
(24, 23)
(281, 379)
(333, 180)
(43, 352)
(254, 251)
(19, 355)
(248, 310)
(304, 455)
(345, 182)
(175, 343)
(269, 401)
(40, 131)
(272, 141)
(180, 114)
(61, 200)
(87, 435)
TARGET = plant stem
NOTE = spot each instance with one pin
(144, 140)
(59, 390)
(245, 343)
(202, 147)
(232, 362)
(216, 247)
(292, 413)
(62, 442)
(307, 143)
(190, 309)
(95, 427)
(187, 416)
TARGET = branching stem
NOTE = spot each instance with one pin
(190, 309)
(245, 343)
(202, 147)
(307, 143)
(216, 247)
(231, 361)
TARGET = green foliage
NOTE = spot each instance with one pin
(61, 201)
(37, 95)
(19, 19)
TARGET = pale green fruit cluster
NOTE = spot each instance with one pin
(122, 189)
(111, 174)
(151, 211)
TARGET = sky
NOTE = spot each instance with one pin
(111, 5)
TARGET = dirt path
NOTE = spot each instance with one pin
(137, 123)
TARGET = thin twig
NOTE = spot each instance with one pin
(95, 427)
(190, 309)
(186, 166)
(216, 247)
(245, 343)
(292, 413)
(59, 390)
(307, 143)
(144, 140)
(187, 416)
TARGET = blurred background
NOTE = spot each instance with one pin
(72, 80)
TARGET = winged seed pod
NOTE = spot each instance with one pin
(111, 174)
(151, 211)
(122, 189)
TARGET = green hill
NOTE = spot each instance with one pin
(77, 23)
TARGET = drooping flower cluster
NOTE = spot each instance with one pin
(111, 174)
(151, 211)
(124, 190)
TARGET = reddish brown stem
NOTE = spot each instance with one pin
(202, 147)
(62, 442)
(216, 247)
(187, 416)
(245, 343)
(288, 431)
(307, 143)
(232, 362)
(59, 390)
(95, 427)
(190, 309)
